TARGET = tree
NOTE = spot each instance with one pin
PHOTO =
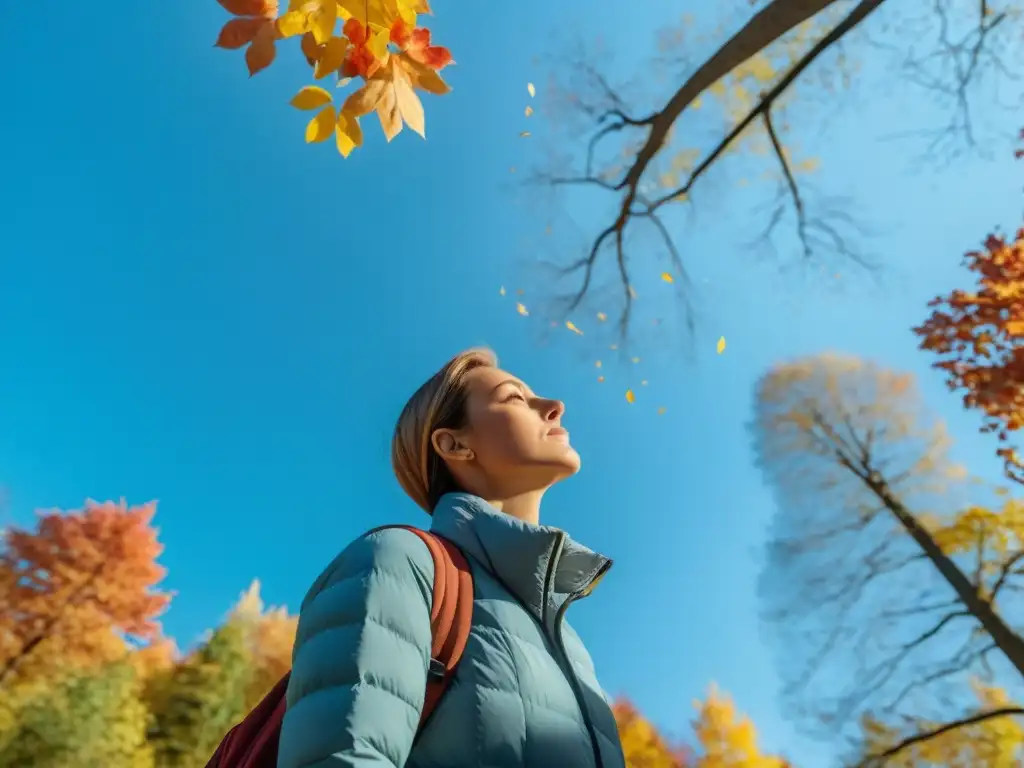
(990, 742)
(379, 44)
(978, 336)
(866, 566)
(629, 153)
(89, 718)
(78, 584)
(642, 744)
(270, 636)
(203, 698)
(727, 739)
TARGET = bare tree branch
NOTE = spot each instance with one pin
(876, 761)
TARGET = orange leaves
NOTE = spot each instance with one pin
(379, 43)
(977, 335)
(253, 26)
(415, 43)
(80, 573)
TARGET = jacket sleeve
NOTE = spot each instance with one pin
(359, 666)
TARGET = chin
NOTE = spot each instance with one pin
(569, 463)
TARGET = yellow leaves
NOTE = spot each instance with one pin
(531, 90)
(379, 40)
(331, 57)
(572, 327)
(524, 134)
(408, 103)
(311, 97)
(727, 738)
(348, 134)
(365, 100)
(661, 411)
(320, 127)
(528, 111)
(323, 17)
(601, 316)
(667, 277)
(720, 346)
(421, 76)
(630, 397)
(522, 309)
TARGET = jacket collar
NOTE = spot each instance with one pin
(538, 564)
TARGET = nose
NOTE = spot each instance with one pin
(552, 410)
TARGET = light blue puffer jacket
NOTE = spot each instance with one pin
(525, 693)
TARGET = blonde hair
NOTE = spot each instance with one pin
(439, 404)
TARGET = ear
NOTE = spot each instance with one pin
(449, 446)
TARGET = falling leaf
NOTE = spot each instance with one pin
(632, 292)
(667, 277)
(311, 97)
(720, 348)
(597, 364)
(320, 127)
(613, 347)
(531, 90)
(600, 379)
(630, 397)
(528, 111)
(602, 316)
(643, 383)
(572, 327)
(520, 291)
(521, 310)
(524, 135)
(661, 411)
(636, 359)
(501, 291)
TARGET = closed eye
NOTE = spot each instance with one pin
(515, 396)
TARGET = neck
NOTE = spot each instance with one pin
(525, 507)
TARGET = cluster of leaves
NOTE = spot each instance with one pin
(379, 44)
(978, 335)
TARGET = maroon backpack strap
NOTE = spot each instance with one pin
(253, 742)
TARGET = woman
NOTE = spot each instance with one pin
(476, 449)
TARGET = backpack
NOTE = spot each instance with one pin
(253, 742)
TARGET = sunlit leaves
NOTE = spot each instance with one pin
(378, 41)
(727, 739)
(311, 97)
(978, 335)
(720, 346)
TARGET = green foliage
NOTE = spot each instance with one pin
(85, 720)
(202, 698)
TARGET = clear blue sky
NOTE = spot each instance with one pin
(198, 308)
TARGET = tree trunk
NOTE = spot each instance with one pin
(1005, 638)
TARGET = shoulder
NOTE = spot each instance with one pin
(389, 553)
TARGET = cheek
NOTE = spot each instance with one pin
(504, 436)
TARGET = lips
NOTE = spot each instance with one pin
(558, 432)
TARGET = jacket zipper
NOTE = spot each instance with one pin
(570, 672)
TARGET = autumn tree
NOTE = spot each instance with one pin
(197, 701)
(643, 745)
(727, 739)
(77, 586)
(88, 718)
(991, 742)
(630, 141)
(877, 563)
(978, 336)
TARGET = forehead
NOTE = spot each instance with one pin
(484, 379)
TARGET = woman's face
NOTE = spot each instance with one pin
(514, 440)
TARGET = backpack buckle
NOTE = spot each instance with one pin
(436, 669)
